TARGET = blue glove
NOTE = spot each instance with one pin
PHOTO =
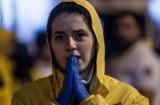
(78, 87)
(66, 91)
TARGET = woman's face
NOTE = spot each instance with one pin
(70, 34)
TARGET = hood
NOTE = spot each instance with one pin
(98, 31)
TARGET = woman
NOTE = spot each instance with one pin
(75, 39)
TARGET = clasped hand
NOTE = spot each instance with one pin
(72, 83)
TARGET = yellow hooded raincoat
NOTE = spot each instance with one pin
(104, 90)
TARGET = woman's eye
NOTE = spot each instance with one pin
(59, 37)
(80, 35)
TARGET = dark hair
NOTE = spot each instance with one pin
(70, 8)
(139, 18)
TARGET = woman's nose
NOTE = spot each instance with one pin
(71, 44)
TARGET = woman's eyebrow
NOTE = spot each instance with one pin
(74, 31)
(58, 32)
(79, 30)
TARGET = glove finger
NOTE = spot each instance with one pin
(69, 67)
(76, 75)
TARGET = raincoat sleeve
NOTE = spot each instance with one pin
(141, 100)
(94, 100)
(99, 100)
(21, 99)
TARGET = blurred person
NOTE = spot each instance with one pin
(75, 39)
(7, 83)
(42, 66)
(24, 63)
(134, 61)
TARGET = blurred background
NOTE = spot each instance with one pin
(132, 41)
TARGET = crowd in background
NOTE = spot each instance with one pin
(18, 66)
(133, 59)
(130, 57)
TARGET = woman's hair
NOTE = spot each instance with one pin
(70, 8)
